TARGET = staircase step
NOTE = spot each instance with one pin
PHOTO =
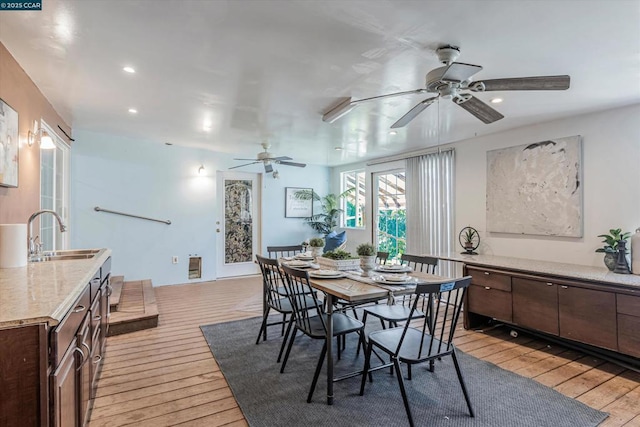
(137, 309)
(116, 290)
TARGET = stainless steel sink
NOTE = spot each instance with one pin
(66, 255)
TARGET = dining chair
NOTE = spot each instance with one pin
(274, 299)
(311, 320)
(382, 257)
(413, 345)
(283, 251)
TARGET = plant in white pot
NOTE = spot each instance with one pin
(316, 245)
(367, 254)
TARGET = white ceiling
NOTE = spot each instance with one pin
(267, 70)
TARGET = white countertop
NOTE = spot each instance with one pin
(571, 271)
(43, 292)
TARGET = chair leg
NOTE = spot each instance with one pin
(317, 373)
(431, 365)
(403, 391)
(364, 321)
(409, 371)
(464, 387)
(263, 327)
(367, 361)
(354, 313)
(286, 356)
(286, 338)
(284, 320)
(339, 346)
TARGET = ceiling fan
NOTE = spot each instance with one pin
(269, 159)
(450, 82)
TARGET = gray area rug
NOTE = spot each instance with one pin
(268, 398)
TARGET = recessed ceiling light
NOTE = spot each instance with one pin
(130, 70)
(393, 132)
(337, 148)
(496, 100)
(133, 111)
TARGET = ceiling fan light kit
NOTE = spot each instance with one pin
(449, 81)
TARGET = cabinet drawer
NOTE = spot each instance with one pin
(628, 336)
(628, 304)
(535, 304)
(489, 302)
(490, 278)
(63, 335)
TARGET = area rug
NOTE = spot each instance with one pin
(268, 398)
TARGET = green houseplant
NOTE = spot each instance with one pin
(367, 253)
(468, 237)
(610, 249)
(316, 244)
(325, 221)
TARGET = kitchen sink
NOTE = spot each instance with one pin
(66, 255)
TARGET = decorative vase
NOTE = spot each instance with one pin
(610, 260)
(316, 252)
(367, 263)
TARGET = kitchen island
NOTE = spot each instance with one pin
(53, 324)
(583, 306)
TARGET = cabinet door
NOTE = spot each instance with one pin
(84, 370)
(535, 304)
(65, 389)
(588, 316)
(490, 302)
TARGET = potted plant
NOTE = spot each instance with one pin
(325, 221)
(316, 245)
(367, 254)
(610, 249)
(338, 260)
(468, 237)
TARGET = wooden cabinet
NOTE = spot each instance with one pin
(628, 313)
(490, 294)
(535, 305)
(65, 389)
(588, 316)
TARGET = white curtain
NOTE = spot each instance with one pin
(430, 210)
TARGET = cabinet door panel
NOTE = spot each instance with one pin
(629, 334)
(535, 305)
(489, 302)
(588, 316)
(490, 278)
(65, 390)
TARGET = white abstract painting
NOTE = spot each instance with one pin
(536, 188)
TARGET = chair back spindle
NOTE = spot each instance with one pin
(283, 251)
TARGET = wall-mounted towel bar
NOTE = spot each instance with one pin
(99, 209)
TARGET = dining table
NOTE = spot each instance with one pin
(357, 287)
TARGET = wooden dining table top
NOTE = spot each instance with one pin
(353, 290)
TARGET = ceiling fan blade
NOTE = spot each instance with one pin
(277, 159)
(459, 72)
(268, 168)
(390, 95)
(478, 108)
(523, 83)
(299, 165)
(413, 113)
(249, 160)
(246, 164)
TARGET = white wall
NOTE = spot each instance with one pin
(159, 181)
(611, 180)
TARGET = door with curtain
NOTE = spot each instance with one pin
(238, 224)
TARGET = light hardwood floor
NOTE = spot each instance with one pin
(167, 375)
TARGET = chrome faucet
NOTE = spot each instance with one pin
(35, 249)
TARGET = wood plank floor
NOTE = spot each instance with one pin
(167, 375)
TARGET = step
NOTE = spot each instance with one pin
(137, 309)
(116, 290)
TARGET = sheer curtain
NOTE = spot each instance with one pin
(430, 207)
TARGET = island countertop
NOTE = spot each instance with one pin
(569, 271)
(43, 292)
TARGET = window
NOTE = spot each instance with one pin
(390, 212)
(353, 203)
(54, 192)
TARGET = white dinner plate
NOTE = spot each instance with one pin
(394, 268)
(393, 279)
(326, 274)
(304, 257)
(297, 263)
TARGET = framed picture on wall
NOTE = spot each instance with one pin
(296, 207)
(8, 145)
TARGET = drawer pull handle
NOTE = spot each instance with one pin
(549, 284)
(487, 273)
(487, 287)
(79, 309)
(97, 318)
(564, 287)
(109, 290)
(97, 360)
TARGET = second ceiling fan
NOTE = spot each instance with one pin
(450, 82)
(268, 160)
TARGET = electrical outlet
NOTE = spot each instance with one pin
(174, 260)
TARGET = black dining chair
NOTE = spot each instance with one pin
(382, 257)
(284, 251)
(430, 341)
(274, 298)
(311, 320)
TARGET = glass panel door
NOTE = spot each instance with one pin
(389, 210)
(54, 194)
